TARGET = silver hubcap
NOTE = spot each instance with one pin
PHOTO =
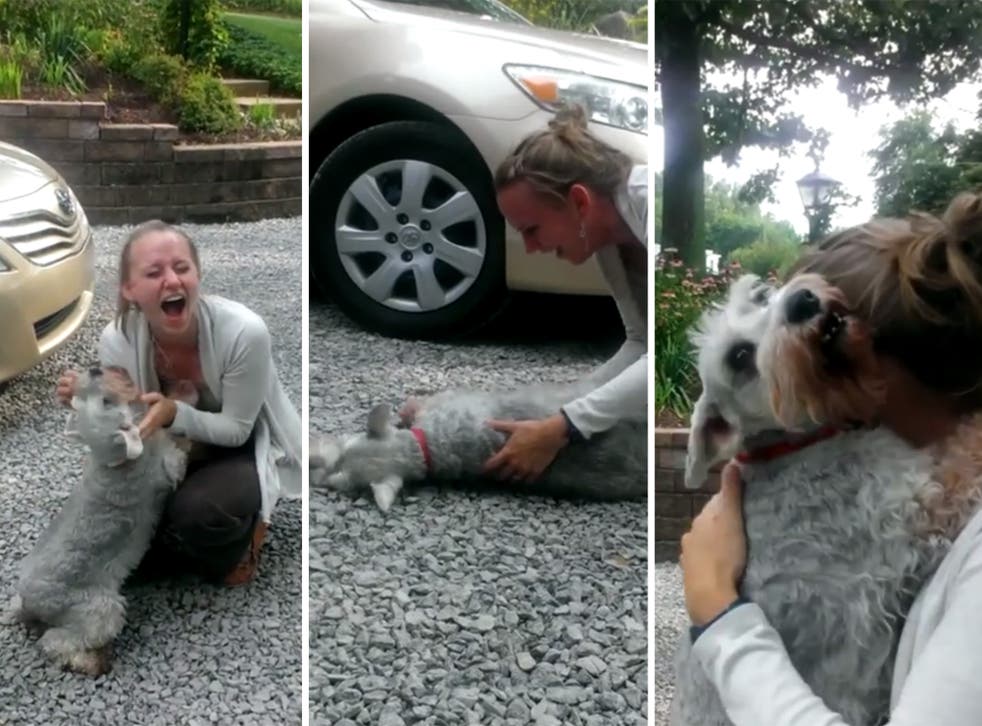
(410, 235)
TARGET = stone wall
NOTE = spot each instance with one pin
(675, 506)
(128, 173)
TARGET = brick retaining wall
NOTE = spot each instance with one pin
(128, 173)
(675, 506)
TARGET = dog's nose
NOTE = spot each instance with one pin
(95, 372)
(801, 306)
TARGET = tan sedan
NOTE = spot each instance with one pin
(47, 261)
(412, 105)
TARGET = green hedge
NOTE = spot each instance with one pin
(253, 55)
(292, 8)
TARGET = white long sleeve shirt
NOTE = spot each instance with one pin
(621, 383)
(938, 670)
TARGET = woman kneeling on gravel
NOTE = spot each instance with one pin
(245, 432)
(570, 194)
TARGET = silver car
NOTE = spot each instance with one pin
(411, 108)
(47, 261)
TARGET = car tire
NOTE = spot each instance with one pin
(358, 254)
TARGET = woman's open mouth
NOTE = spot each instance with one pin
(173, 306)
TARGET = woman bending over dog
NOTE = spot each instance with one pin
(244, 430)
(918, 282)
(570, 194)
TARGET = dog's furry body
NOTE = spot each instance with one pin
(839, 531)
(609, 466)
(70, 582)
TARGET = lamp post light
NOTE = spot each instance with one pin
(816, 193)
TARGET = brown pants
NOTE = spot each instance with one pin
(208, 521)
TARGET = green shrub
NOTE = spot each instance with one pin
(208, 106)
(118, 53)
(292, 8)
(563, 14)
(262, 115)
(11, 78)
(681, 295)
(193, 29)
(253, 55)
(163, 75)
(766, 257)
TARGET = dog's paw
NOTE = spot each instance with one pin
(385, 491)
(96, 662)
(325, 451)
(13, 613)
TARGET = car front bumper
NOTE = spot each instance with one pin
(43, 305)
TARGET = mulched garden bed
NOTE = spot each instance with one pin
(670, 420)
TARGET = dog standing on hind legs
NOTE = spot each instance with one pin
(70, 582)
(450, 441)
(844, 520)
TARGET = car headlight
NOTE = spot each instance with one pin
(613, 103)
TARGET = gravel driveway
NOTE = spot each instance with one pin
(190, 653)
(460, 607)
(670, 622)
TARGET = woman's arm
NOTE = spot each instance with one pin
(744, 657)
(623, 395)
(244, 387)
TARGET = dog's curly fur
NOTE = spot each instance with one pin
(842, 533)
(70, 582)
(609, 466)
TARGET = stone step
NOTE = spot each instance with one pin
(282, 107)
(247, 86)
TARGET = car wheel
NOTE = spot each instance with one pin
(406, 235)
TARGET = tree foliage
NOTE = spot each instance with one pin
(918, 165)
(908, 51)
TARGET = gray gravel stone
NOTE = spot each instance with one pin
(190, 653)
(499, 607)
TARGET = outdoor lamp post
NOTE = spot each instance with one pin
(816, 193)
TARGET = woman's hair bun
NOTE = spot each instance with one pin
(963, 225)
(570, 122)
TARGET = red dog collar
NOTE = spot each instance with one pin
(782, 448)
(423, 446)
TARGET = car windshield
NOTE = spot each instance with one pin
(490, 8)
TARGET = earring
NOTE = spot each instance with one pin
(582, 231)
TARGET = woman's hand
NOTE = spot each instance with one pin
(161, 414)
(65, 387)
(714, 551)
(530, 448)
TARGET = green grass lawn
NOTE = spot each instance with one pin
(285, 32)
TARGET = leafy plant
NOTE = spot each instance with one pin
(681, 296)
(163, 75)
(57, 72)
(262, 115)
(292, 8)
(253, 55)
(11, 78)
(193, 29)
(766, 257)
(206, 105)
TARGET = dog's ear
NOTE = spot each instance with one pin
(711, 439)
(378, 422)
(385, 491)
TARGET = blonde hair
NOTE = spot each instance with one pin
(561, 155)
(123, 306)
(918, 282)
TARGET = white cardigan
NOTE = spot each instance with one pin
(621, 391)
(237, 364)
(938, 669)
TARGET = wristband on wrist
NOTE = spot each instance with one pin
(696, 630)
(571, 431)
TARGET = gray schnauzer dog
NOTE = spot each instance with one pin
(844, 520)
(70, 583)
(450, 441)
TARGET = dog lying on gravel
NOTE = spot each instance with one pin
(70, 583)
(448, 440)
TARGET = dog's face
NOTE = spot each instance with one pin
(363, 461)
(734, 402)
(106, 414)
(817, 359)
